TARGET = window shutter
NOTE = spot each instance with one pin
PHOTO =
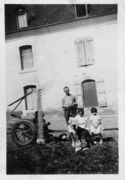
(78, 93)
(29, 99)
(101, 93)
(81, 53)
(34, 99)
(89, 51)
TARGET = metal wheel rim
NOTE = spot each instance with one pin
(24, 133)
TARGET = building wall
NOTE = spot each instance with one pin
(56, 64)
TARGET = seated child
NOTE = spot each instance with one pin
(81, 119)
(83, 134)
(96, 127)
(72, 127)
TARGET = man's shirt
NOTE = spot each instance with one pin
(68, 101)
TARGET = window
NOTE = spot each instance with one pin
(82, 10)
(84, 50)
(21, 18)
(26, 57)
(31, 99)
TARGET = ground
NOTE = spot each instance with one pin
(59, 157)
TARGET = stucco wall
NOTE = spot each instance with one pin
(56, 66)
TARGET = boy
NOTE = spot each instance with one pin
(96, 125)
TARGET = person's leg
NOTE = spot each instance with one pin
(99, 131)
(78, 132)
(100, 136)
(66, 114)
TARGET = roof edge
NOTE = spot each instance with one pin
(55, 24)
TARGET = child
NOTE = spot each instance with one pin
(72, 120)
(81, 120)
(72, 127)
(96, 125)
(83, 134)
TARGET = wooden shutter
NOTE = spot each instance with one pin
(34, 99)
(80, 53)
(89, 93)
(78, 93)
(28, 99)
(31, 100)
(89, 51)
(101, 93)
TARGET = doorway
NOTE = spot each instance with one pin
(89, 93)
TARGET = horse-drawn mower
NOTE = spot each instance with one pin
(27, 130)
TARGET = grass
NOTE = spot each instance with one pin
(59, 157)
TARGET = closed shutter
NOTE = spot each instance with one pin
(28, 99)
(101, 93)
(80, 48)
(34, 99)
(89, 93)
(78, 93)
(89, 51)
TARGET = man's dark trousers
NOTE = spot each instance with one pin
(67, 114)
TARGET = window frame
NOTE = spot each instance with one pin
(82, 64)
(25, 88)
(21, 11)
(86, 7)
(34, 83)
(21, 48)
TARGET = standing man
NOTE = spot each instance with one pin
(68, 103)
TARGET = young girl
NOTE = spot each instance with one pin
(96, 127)
(81, 119)
(72, 127)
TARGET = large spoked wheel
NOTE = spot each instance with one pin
(23, 133)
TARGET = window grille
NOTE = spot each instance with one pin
(26, 57)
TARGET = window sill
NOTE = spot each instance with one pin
(27, 71)
(85, 65)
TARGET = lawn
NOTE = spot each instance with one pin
(59, 157)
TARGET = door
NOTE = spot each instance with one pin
(89, 93)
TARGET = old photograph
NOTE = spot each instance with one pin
(61, 89)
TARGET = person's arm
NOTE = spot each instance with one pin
(77, 123)
(63, 102)
(86, 123)
(74, 100)
(99, 120)
(69, 122)
(91, 121)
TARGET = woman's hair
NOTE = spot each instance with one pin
(80, 110)
(93, 110)
(73, 113)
